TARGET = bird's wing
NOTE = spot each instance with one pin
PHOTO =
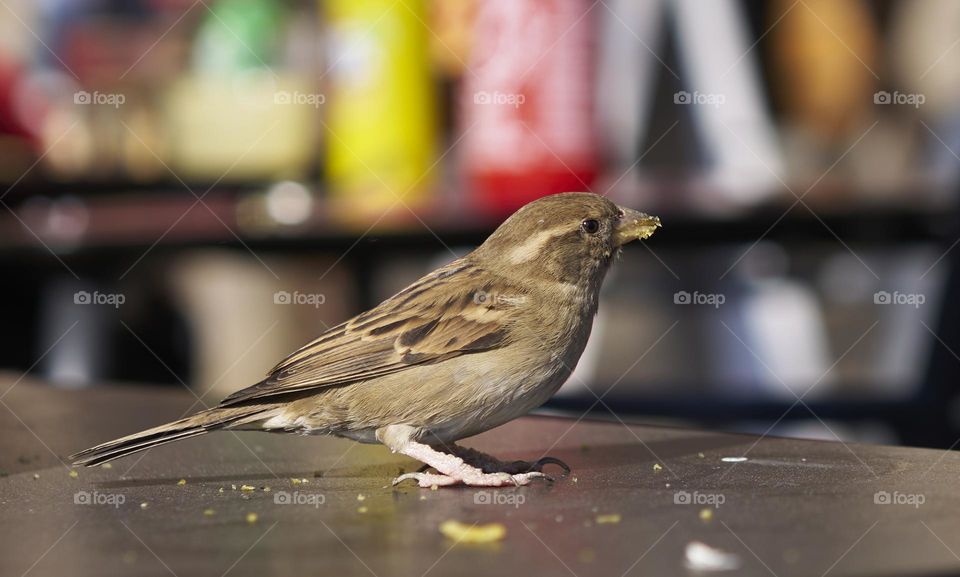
(448, 313)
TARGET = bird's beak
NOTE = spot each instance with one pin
(634, 225)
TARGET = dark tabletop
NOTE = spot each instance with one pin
(630, 506)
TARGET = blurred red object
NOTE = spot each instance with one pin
(527, 102)
(12, 122)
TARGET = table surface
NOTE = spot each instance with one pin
(794, 507)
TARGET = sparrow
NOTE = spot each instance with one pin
(468, 347)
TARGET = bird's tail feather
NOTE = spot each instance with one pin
(192, 426)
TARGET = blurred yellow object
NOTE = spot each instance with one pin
(825, 54)
(242, 126)
(382, 112)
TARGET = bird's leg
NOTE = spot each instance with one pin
(450, 468)
(491, 464)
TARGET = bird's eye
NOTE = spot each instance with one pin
(590, 226)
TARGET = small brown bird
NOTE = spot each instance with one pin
(470, 346)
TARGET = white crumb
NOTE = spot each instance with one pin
(701, 557)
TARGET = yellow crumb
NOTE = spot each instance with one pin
(295, 481)
(36, 475)
(144, 505)
(464, 533)
(247, 488)
(208, 512)
(106, 466)
(182, 482)
(608, 518)
(423, 497)
(361, 497)
(74, 474)
(706, 514)
(362, 509)
(221, 490)
(700, 455)
(266, 489)
(657, 467)
(433, 487)
(251, 518)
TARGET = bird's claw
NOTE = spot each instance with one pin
(536, 466)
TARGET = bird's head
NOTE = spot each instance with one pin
(570, 237)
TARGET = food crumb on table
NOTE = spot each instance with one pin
(702, 557)
(609, 518)
(463, 533)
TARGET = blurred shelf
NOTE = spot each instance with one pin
(140, 218)
(922, 420)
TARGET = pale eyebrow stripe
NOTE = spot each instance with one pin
(531, 248)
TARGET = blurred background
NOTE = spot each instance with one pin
(192, 189)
